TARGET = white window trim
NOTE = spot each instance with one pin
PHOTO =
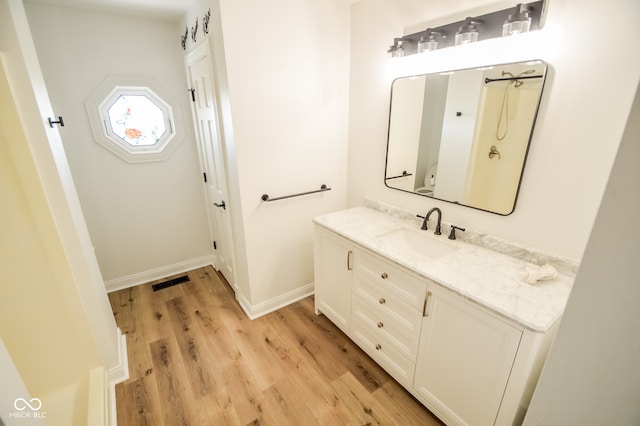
(106, 94)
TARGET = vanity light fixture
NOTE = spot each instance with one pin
(428, 41)
(468, 33)
(518, 22)
(516, 19)
(397, 49)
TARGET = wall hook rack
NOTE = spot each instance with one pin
(60, 121)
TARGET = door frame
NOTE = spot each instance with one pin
(203, 52)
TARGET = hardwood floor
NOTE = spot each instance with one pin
(196, 359)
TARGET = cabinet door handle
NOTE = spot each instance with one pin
(424, 307)
(384, 276)
(378, 347)
(380, 324)
(382, 301)
(349, 254)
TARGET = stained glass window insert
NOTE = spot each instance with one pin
(137, 120)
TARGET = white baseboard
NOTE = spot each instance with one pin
(120, 372)
(116, 375)
(256, 311)
(156, 274)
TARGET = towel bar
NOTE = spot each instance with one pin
(323, 188)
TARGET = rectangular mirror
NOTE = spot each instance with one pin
(463, 136)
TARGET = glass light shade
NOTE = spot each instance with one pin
(512, 27)
(519, 21)
(427, 45)
(466, 37)
(396, 52)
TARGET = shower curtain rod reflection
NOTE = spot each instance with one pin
(491, 80)
(323, 187)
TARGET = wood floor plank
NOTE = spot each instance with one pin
(284, 405)
(295, 366)
(141, 401)
(400, 403)
(189, 345)
(346, 355)
(245, 395)
(171, 389)
(195, 358)
(249, 342)
(367, 408)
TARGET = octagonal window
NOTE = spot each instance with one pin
(137, 120)
(133, 122)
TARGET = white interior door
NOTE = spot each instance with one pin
(212, 160)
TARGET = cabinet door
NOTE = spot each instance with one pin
(464, 359)
(333, 272)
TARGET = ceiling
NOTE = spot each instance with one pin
(160, 9)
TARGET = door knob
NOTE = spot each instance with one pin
(222, 204)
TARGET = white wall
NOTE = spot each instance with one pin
(37, 298)
(146, 220)
(287, 66)
(592, 374)
(55, 318)
(582, 115)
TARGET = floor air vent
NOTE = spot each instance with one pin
(170, 283)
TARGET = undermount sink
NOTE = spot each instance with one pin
(413, 242)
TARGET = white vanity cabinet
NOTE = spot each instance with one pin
(466, 363)
(466, 355)
(333, 258)
(386, 313)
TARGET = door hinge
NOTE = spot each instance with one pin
(193, 94)
(204, 174)
(215, 246)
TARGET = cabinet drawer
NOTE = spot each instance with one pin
(404, 335)
(387, 301)
(405, 286)
(382, 351)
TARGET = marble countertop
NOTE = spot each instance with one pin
(492, 279)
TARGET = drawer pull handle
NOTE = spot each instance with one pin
(378, 347)
(384, 276)
(424, 307)
(349, 254)
(382, 301)
(380, 324)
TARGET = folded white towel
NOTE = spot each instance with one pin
(535, 273)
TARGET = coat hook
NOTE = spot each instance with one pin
(60, 122)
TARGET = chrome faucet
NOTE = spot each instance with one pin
(426, 219)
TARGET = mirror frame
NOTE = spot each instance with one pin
(526, 150)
